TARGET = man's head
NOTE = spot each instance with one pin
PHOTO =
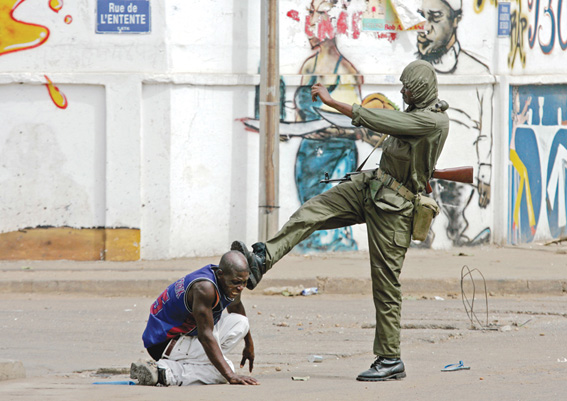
(232, 273)
(419, 84)
(442, 18)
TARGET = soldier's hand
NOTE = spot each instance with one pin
(322, 92)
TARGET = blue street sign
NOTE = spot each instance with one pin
(123, 16)
(504, 23)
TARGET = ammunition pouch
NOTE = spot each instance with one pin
(425, 209)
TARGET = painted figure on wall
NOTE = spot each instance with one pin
(556, 190)
(328, 139)
(538, 163)
(328, 150)
(438, 43)
(471, 119)
(520, 118)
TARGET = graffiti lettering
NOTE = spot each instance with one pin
(479, 5)
(356, 18)
(391, 36)
(562, 43)
(517, 28)
(532, 33)
(554, 26)
(342, 23)
(293, 14)
(325, 30)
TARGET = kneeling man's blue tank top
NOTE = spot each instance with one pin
(170, 316)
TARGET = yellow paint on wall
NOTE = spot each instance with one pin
(56, 243)
(122, 244)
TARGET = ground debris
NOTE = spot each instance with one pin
(112, 371)
(285, 290)
(428, 326)
(556, 241)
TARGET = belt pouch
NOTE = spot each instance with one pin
(424, 211)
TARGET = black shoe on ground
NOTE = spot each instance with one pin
(253, 264)
(384, 369)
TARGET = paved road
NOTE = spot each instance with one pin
(64, 340)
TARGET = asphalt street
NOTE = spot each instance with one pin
(67, 342)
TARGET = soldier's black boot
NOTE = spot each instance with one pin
(259, 249)
(256, 265)
(384, 369)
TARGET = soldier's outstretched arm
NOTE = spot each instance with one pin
(323, 93)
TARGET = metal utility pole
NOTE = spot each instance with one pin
(269, 121)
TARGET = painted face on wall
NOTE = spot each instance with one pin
(440, 29)
(318, 25)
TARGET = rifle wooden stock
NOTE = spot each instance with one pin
(459, 174)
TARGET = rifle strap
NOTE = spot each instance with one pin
(380, 141)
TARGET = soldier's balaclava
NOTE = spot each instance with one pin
(420, 78)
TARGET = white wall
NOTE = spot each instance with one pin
(153, 135)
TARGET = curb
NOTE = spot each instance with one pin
(326, 285)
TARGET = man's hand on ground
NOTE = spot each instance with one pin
(245, 380)
(248, 354)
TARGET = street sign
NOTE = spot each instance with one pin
(123, 16)
(504, 23)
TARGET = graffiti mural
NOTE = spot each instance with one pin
(540, 26)
(538, 161)
(327, 138)
(470, 114)
(17, 35)
(327, 149)
(519, 23)
(328, 143)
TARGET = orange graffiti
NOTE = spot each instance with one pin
(56, 95)
(68, 19)
(17, 35)
(56, 5)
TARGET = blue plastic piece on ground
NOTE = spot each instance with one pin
(455, 366)
(122, 382)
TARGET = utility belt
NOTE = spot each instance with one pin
(425, 208)
(390, 182)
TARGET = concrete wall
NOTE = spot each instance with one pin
(150, 137)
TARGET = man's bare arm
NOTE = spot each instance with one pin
(202, 297)
(248, 352)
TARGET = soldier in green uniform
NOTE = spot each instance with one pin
(384, 199)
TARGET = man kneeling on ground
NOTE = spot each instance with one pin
(187, 333)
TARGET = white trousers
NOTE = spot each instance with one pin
(188, 363)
